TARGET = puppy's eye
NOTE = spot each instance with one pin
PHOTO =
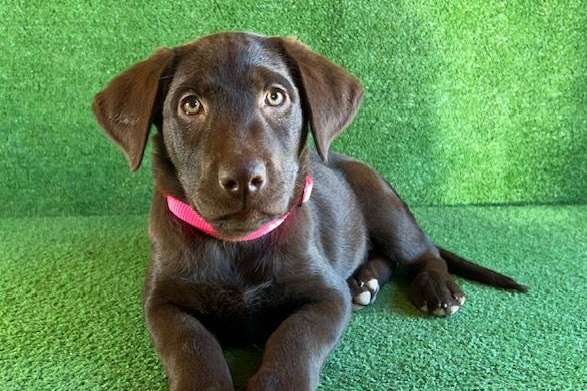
(275, 97)
(191, 105)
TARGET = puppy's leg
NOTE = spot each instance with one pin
(297, 349)
(369, 278)
(396, 235)
(192, 357)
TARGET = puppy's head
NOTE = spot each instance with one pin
(233, 111)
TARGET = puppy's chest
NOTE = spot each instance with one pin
(235, 295)
(232, 286)
(240, 312)
(234, 298)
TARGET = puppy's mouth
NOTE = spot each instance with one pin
(242, 222)
(238, 219)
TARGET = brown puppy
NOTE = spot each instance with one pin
(233, 113)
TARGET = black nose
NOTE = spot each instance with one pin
(244, 177)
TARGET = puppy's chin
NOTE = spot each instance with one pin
(236, 229)
(235, 224)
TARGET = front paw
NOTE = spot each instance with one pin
(436, 293)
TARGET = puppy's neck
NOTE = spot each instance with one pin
(164, 172)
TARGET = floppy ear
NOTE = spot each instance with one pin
(125, 109)
(331, 94)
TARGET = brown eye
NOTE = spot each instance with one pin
(275, 97)
(191, 105)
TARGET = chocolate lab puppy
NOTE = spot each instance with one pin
(254, 235)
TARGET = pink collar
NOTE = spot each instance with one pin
(187, 214)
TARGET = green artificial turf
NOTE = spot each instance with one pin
(71, 317)
(467, 102)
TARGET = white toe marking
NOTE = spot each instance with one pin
(363, 298)
(453, 308)
(357, 307)
(462, 300)
(439, 312)
(373, 285)
(424, 308)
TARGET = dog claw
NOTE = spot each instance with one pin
(373, 285)
(453, 308)
(445, 310)
(364, 298)
(367, 295)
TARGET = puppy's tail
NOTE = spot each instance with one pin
(467, 269)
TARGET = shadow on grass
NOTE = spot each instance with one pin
(243, 363)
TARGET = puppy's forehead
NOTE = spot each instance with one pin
(228, 56)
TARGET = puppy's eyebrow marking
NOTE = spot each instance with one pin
(275, 75)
